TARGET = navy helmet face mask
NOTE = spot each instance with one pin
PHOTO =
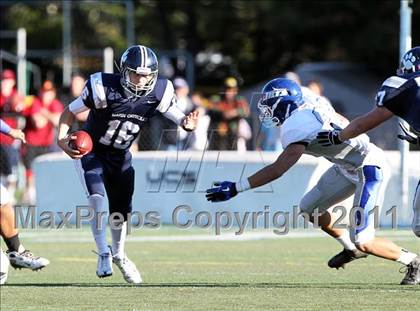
(280, 97)
(410, 63)
(139, 60)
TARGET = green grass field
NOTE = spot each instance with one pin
(267, 274)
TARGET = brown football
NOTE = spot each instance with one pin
(83, 142)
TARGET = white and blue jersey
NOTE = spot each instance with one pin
(359, 166)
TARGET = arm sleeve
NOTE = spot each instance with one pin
(174, 114)
(78, 106)
(4, 127)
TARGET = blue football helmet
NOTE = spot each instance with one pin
(410, 63)
(140, 60)
(280, 97)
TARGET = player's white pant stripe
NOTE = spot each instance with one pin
(81, 173)
(370, 194)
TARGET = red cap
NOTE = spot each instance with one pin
(8, 74)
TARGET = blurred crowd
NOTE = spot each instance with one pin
(225, 124)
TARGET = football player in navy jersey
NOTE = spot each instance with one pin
(119, 106)
(399, 95)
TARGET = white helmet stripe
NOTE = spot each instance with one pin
(143, 56)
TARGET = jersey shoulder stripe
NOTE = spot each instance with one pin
(394, 82)
(98, 91)
(166, 97)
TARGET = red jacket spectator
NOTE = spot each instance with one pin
(42, 117)
(11, 104)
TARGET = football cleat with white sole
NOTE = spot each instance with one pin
(128, 269)
(104, 266)
(26, 260)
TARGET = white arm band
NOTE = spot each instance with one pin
(243, 185)
(175, 114)
(77, 106)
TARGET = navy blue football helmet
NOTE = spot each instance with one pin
(410, 63)
(280, 97)
(142, 61)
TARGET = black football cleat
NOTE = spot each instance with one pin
(344, 257)
(412, 274)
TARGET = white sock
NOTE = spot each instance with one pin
(118, 240)
(406, 257)
(345, 240)
(96, 201)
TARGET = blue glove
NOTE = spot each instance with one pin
(221, 192)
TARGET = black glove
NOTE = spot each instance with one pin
(328, 138)
(221, 192)
(412, 138)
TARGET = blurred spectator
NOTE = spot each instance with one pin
(11, 107)
(291, 75)
(42, 118)
(316, 87)
(162, 131)
(76, 88)
(230, 130)
(179, 137)
(199, 136)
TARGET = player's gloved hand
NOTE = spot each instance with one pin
(328, 138)
(222, 191)
(411, 137)
(64, 143)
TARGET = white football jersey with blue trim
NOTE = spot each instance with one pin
(316, 115)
